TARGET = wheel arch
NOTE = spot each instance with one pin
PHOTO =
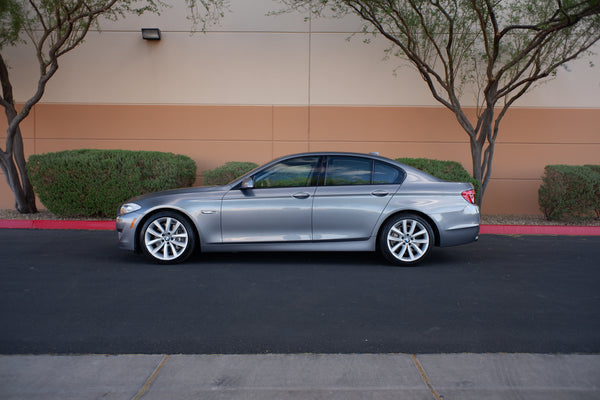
(430, 221)
(147, 216)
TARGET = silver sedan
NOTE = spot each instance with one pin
(306, 202)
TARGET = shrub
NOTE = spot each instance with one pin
(92, 183)
(227, 173)
(596, 198)
(570, 191)
(447, 170)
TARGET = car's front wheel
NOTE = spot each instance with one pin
(167, 238)
(406, 240)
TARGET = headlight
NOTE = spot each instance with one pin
(129, 208)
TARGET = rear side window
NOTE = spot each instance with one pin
(343, 170)
(385, 174)
(348, 171)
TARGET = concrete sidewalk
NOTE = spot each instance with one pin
(302, 376)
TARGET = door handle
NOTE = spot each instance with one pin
(301, 195)
(380, 193)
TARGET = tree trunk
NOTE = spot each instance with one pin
(27, 204)
(16, 177)
(482, 144)
(10, 169)
(12, 161)
(476, 152)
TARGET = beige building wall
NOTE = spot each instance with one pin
(256, 87)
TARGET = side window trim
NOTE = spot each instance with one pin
(319, 178)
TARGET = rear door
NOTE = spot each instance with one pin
(354, 193)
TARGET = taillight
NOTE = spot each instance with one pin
(469, 195)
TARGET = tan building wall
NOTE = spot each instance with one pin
(256, 87)
(212, 135)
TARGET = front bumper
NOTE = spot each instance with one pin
(126, 228)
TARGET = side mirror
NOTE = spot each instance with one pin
(247, 183)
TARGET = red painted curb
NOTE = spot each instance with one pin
(55, 224)
(484, 229)
(16, 224)
(539, 230)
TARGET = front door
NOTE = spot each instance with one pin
(277, 209)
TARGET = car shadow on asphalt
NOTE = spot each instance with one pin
(437, 257)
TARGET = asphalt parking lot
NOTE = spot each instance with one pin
(81, 320)
(65, 292)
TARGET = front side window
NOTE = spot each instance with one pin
(297, 172)
(343, 170)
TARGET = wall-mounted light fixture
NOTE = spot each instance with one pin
(151, 33)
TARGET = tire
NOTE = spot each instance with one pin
(406, 240)
(167, 238)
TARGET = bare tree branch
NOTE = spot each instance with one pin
(501, 49)
(54, 28)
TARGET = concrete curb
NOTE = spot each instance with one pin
(484, 230)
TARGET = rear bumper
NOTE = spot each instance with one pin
(460, 228)
(460, 236)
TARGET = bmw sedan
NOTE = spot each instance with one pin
(306, 202)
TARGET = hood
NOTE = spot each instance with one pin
(180, 192)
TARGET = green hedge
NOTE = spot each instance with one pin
(570, 191)
(447, 170)
(227, 173)
(92, 183)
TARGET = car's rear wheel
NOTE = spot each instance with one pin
(406, 240)
(167, 238)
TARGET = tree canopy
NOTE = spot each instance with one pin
(491, 50)
(488, 51)
(53, 28)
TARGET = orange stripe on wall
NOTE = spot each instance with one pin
(212, 135)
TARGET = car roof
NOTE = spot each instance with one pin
(373, 155)
(337, 153)
(415, 173)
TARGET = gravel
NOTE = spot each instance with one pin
(534, 220)
(41, 215)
